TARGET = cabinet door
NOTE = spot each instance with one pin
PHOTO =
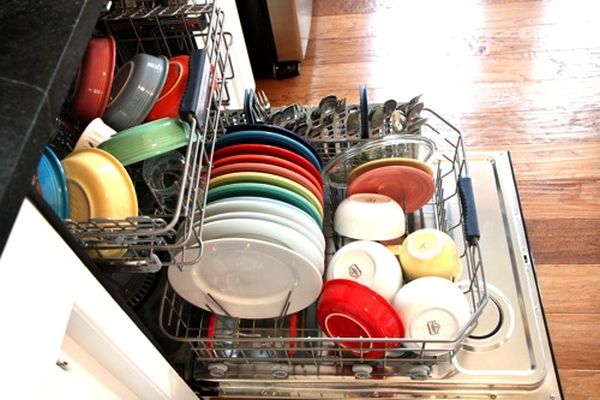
(52, 309)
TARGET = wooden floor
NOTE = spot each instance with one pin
(514, 75)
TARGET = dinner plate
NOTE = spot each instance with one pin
(408, 186)
(271, 179)
(52, 183)
(275, 129)
(267, 231)
(265, 190)
(270, 138)
(250, 149)
(269, 169)
(267, 206)
(382, 162)
(263, 216)
(246, 278)
(147, 140)
(348, 309)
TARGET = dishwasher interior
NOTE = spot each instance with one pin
(503, 350)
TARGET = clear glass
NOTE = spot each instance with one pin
(162, 174)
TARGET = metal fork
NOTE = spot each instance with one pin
(263, 102)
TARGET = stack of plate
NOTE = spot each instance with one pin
(263, 247)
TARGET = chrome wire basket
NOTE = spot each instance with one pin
(293, 346)
(149, 241)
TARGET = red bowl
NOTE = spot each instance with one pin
(167, 105)
(94, 79)
(348, 309)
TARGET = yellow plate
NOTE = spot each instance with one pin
(262, 177)
(99, 187)
(383, 162)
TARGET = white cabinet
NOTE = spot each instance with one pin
(53, 309)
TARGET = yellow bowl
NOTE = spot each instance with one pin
(99, 187)
(430, 252)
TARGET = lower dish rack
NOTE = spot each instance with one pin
(293, 345)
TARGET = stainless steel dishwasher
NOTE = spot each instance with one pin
(502, 352)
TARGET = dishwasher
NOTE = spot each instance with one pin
(502, 352)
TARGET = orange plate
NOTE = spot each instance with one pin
(168, 103)
(409, 186)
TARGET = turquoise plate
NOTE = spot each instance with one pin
(52, 183)
(265, 190)
(270, 138)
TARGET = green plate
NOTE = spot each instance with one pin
(265, 190)
(147, 140)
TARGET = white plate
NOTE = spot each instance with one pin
(267, 231)
(266, 205)
(273, 218)
(248, 278)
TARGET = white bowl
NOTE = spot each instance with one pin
(95, 133)
(432, 308)
(368, 263)
(430, 252)
(369, 216)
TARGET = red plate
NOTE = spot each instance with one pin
(273, 151)
(409, 186)
(94, 79)
(348, 309)
(270, 169)
(167, 105)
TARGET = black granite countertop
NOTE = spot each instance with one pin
(41, 45)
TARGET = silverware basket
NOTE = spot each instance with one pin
(292, 346)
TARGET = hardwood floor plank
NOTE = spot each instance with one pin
(570, 289)
(576, 340)
(580, 384)
(564, 241)
(418, 18)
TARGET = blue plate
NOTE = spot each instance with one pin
(52, 183)
(264, 190)
(274, 129)
(270, 138)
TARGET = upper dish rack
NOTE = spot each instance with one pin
(293, 345)
(170, 29)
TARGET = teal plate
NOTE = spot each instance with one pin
(52, 183)
(265, 190)
(147, 140)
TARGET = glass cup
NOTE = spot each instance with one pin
(163, 175)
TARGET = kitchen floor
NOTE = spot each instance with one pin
(518, 75)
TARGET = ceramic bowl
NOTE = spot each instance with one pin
(94, 79)
(147, 140)
(368, 263)
(94, 134)
(432, 308)
(347, 309)
(167, 105)
(99, 186)
(430, 252)
(369, 216)
(136, 87)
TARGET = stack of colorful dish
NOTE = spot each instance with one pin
(263, 248)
